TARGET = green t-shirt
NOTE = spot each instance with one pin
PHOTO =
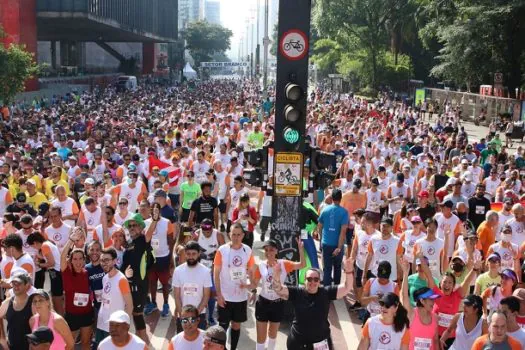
(191, 193)
(256, 140)
(485, 281)
(485, 154)
(414, 283)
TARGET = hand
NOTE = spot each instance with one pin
(129, 272)
(220, 301)
(252, 298)
(478, 265)
(300, 244)
(336, 251)
(348, 264)
(405, 266)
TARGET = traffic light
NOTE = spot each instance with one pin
(257, 175)
(319, 162)
(294, 116)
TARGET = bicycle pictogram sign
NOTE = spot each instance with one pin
(294, 44)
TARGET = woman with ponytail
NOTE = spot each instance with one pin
(423, 330)
(388, 330)
(467, 325)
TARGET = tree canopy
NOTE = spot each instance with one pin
(383, 41)
(204, 40)
(17, 66)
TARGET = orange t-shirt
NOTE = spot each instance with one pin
(352, 201)
(479, 344)
(487, 236)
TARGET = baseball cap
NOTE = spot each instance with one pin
(31, 182)
(508, 273)
(459, 257)
(418, 260)
(270, 243)
(358, 183)
(388, 221)
(425, 293)
(137, 218)
(424, 194)
(41, 335)
(72, 158)
(519, 293)
(119, 316)
(389, 300)
(21, 197)
(21, 277)
(375, 181)
(464, 161)
(89, 181)
(216, 334)
(160, 193)
(476, 301)
(448, 203)
(43, 208)
(494, 256)
(451, 181)
(506, 228)
(416, 219)
(384, 269)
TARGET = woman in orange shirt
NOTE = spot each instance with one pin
(487, 231)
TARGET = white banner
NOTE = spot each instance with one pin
(223, 64)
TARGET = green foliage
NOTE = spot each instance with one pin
(17, 67)
(274, 40)
(205, 39)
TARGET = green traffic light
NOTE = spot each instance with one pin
(291, 135)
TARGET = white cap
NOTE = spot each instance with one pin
(464, 161)
(31, 181)
(451, 181)
(467, 176)
(89, 181)
(119, 316)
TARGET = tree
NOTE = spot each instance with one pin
(17, 66)
(205, 39)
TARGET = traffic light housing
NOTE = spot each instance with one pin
(319, 163)
(257, 175)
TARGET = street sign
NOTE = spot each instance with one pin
(223, 64)
(294, 44)
(498, 78)
(288, 174)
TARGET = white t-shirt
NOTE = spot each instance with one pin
(135, 343)
(179, 342)
(191, 281)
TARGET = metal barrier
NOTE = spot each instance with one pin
(472, 104)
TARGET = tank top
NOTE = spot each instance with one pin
(409, 242)
(362, 247)
(267, 291)
(373, 201)
(432, 250)
(377, 288)
(396, 192)
(210, 246)
(465, 340)
(383, 336)
(18, 324)
(421, 335)
(58, 342)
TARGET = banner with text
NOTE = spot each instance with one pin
(223, 64)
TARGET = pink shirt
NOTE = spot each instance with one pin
(58, 341)
(421, 335)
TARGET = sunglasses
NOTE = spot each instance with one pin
(187, 320)
(312, 279)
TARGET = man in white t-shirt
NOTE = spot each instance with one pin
(191, 338)
(511, 307)
(191, 284)
(120, 337)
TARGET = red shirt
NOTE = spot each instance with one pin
(447, 306)
(252, 213)
(521, 321)
(76, 287)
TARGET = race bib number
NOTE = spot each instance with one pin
(237, 273)
(190, 289)
(322, 345)
(81, 299)
(422, 343)
(155, 244)
(444, 320)
(98, 295)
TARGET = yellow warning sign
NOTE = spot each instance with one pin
(288, 174)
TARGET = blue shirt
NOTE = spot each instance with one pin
(95, 274)
(333, 217)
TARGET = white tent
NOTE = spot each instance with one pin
(189, 72)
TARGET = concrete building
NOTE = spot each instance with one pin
(212, 11)
(190, 11)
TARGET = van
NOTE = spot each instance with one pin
(127, 83)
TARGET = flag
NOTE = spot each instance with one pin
(174, 174)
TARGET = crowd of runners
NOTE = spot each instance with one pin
(113, 201)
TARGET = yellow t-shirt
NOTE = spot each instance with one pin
(49, 184)
(485, 281)
(36, 200)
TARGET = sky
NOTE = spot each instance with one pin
(234, 14)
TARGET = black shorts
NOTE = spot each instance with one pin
(57, 289)
(359, 276)
(508, 134)
(185, 216)
(265, 223)
(222, 206)
(76, 322)
(269, 310)
(139, 299)
(233, 312)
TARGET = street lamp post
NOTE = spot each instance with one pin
(266, 44)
